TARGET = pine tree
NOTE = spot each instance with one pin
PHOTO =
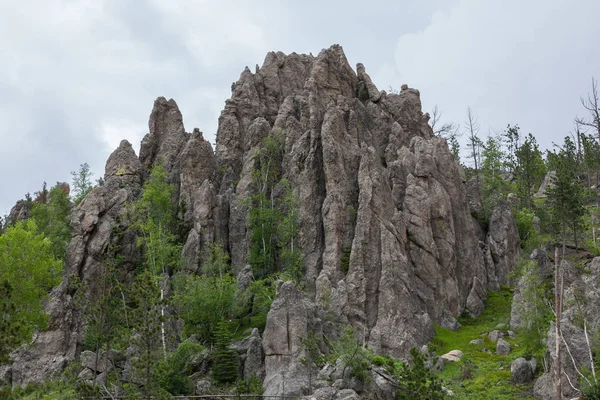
(567, 197)
(530, 170)
(147, 322)
(82, 182)
(225, 358)
(417, 381)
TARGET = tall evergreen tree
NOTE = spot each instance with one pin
(530, 170)
(225, 365)
(566, 198)
(82, 182)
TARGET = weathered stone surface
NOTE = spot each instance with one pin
(541, 272)
(251, 350)
(453, 355)
(197, 165)
(449, 322)
(547, 183)
(346, 394)
(544, 387)
(495, 335)
(503, 241)
(88, 360)
(287, 322)
(19, 212)
(166, 139)
(520, 371)
(86, 375)
(5, 375)
(583, 286)
(477, 298)
(476, 341)
(372, 181)
(92, 222)
(502, 347)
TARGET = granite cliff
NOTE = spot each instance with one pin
(372, 179)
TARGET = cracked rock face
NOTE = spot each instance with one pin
(92, 222)
(373, 183)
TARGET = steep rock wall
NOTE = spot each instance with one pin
(370, 175)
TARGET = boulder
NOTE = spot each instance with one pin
(453, 355)
(346, 394)
(88, 360)
(495, 335)
(502, 347)
(520, 371)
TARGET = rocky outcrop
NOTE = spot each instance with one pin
(92, 221)
(504, 245)
(540, 273)
(521, 371)
(287, 323)
(582, 310)
(373, 183)
(19, 212)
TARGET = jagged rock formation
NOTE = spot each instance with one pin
(371, 177)
(581, 313)
(92, 222)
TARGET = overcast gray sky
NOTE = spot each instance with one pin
(77, 76)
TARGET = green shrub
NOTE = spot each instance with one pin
(346, 258)
(417, 381)
(251, 386)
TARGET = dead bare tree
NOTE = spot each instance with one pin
(474, 142)
(592, 105)
(444, 130)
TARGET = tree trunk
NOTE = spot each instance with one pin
(558, 306)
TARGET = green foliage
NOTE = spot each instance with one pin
(480, 375)
(348, 349)
(590, 392)
(217, 261)
(416, 380)
(147, 320)
(28, 265)
(9, 325)
(530, 170)
(251, 386)
(454, 147)
(82, 182)
(203, 302)
(272, 218)
(108, 325)
(154, 217)
(511, 137)
(526, 228)
(566, 199)
(52, 218)
(345, 262)
(173, 371)
(536, 316)
(493, 187)
(225, 365)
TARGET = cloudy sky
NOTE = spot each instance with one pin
(77, 76)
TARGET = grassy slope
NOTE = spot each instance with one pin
(480, 375)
